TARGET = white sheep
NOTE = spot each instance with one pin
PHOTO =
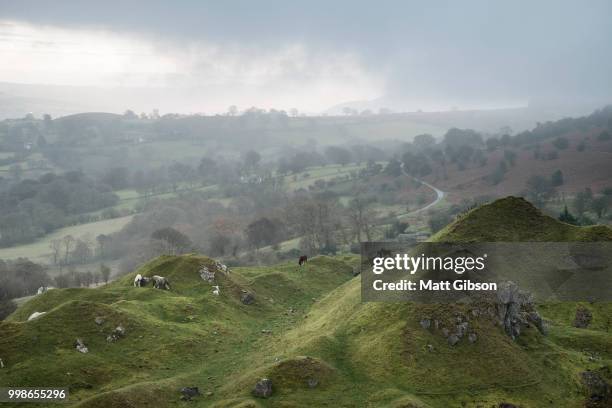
(216, 290)
(137, 280)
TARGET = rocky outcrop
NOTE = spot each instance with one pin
(516, 309)
(510, 308)
(206, 274)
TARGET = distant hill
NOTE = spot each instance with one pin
(307, 331)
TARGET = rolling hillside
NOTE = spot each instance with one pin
(308, 332)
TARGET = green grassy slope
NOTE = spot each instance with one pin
(307, 324)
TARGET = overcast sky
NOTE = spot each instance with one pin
(313, 54)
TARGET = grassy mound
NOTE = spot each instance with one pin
(515, 219)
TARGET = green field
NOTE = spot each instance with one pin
(39, 251)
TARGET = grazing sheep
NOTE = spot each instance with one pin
(159, 282)
(303, 259)
(140, 281)
(137, 280)
(41, 290)
(216, 290)
(35, 315)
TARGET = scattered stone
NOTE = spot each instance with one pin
(209, 394)
(445, 332)
(425, 323)
(436, 324)
(583, 318)
(1, 363)
(598, 389)
(247, 298)
(80, 346)
(472, 337)
(263, 388)
(266, 331)
(189, 393)
(99, 320)
(453, 339)
(507, 405)
(206, 274)
(35, 315)
(312, 382)
(117, 333)
(430, 348)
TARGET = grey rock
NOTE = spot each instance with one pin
(99, 320)
(472, 337)
(189, 393)
(461, 329)
(263, 388)
(119, 331)
(597, 387)
(425, 323)
(312, 382)
(453, 339)
(116, 334)
(516, 309)
(583, 318)
(445, 332)
(80, 346)
(247, 298)
(206, 274)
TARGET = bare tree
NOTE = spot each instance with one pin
(56, 247)
(68, 242)
(362, 216)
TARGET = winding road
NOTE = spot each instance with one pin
(439, 196)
